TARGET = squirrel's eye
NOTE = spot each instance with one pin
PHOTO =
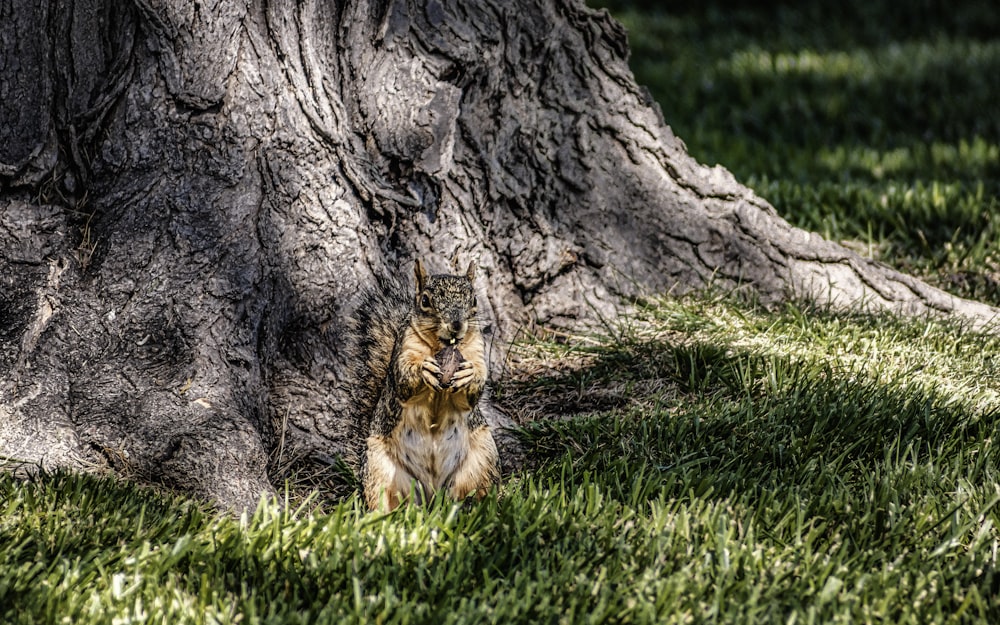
(425, 302)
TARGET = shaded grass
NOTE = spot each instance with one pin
(863, 446)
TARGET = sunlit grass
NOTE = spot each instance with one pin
(966, 160)
(792, 101)
(892, 62)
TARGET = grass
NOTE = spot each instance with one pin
(738, 466)
(865, 122)
(701, 461)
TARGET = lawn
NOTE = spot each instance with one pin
(701, 460)
(868, 122)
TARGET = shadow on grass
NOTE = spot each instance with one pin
(730, 91)
(778, 75)
(854, 119)
(865, 21)
(709, 420)
(55, 526)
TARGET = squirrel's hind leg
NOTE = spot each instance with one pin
(386, 483)
(481, 469)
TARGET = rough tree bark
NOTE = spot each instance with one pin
(192, 193)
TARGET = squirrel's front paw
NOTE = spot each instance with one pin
(430, 372)
(463, 375)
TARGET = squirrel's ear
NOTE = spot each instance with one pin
(421, 274)
(471, 271)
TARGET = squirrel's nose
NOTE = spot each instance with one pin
(456, 326)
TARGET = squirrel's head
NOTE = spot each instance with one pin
(445, 305)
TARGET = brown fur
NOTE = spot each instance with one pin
(422, 437)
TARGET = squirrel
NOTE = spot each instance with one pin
(420, 371)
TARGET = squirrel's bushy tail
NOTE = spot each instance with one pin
(379, 319)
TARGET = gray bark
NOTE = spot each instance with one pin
(191, 194)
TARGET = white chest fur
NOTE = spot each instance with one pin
(432, 438)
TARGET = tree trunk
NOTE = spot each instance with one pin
(192, 193)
